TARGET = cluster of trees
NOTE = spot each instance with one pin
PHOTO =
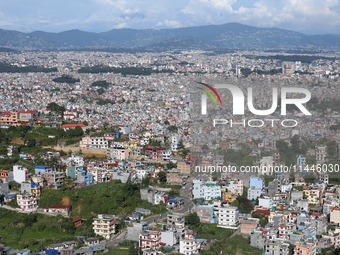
(102, 84)
(57, 109)
(246, 71)
(241, 157)
(65, 78)
(5, 68)
(288, 153)
(4, 142)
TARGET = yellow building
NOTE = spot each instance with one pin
(228, 196)
(312, 196)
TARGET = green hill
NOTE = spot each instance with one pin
(104, 198)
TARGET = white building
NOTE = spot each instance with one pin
(188, 245)
(174, 142)
(104, 225)
(320, 154)
(75, 160)
(166, 155)
(19, 173)
(266, 202)
(206, 189)
(227, 215)
(93, 142)
(254, 193)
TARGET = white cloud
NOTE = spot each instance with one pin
(121, 25)
(169, 23)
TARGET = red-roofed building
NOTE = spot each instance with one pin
(153, 152)
(73, 126)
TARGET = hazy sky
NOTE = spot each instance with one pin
(307, 16)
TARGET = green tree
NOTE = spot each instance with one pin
(54, 107)
(192, 219)
(162, 176)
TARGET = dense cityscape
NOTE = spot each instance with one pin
(105, 152)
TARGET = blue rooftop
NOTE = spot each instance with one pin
(40, 167)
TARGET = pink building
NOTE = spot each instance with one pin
(27, 202)
(153, 152)
(85, 142)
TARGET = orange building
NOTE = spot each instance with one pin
(12, 119)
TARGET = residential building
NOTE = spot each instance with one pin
(54, 177)
(20, 173)
(335, 215)
(206, 189)
(320, 154)
(173, 177)
(205, 213)
(149, 239)
(104, 225)
(276, 247)
(285, 230)
(94, 142)
(118, 153)
(248, 225)
(188, 245)
(60, 209)
(27, 202)
(184, 167)
(227, 215)
(304, 248)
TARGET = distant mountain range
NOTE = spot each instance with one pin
(212, 37)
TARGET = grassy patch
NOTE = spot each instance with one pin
(104, 198)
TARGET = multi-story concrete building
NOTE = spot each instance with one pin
(285, 230)
(320, 154)
(104, 225)
(188, 245)
(335, 215)
(118, 153)
(205, 213)
(184, 167)
(13, 119)
(54, 177)
(235, 186)
(206, 189)
(304, 248)
(150, 239)
(99, 174)
(312, 195)
(27, 202)
(93, 142)
(276, 247)
(227, 215)
(20, 173)
(173, 177)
